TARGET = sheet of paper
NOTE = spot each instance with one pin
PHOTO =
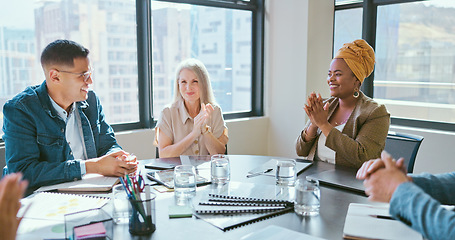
(53, 206)
(40, 229)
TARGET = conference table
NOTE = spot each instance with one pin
(328, 224)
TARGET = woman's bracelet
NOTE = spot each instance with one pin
(207, 129)
(304, 134)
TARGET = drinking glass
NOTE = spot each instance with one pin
(307, 197)
(184, 182)
(285, 172)
(220, 168)
(120, 206)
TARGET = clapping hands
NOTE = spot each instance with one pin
(202, 118)
(316, 110)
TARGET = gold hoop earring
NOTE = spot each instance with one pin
(356, 93)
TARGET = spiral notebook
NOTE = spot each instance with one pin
(54, 206)
(239, 204)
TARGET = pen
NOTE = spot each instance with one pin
(259, 173)
(382, 217)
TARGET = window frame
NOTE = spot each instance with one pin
(369, 20)
(145, 61)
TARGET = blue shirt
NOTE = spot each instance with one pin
(73, 132)
(418, 204)
(35, 137)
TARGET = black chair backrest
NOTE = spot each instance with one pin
(157, 152)
(403, 145)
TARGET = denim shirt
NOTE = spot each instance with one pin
(418, 204)
(35, 142)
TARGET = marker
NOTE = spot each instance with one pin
(382, 217)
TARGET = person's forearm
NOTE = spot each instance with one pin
(178, 148)
(412, 205)
(310, 132)
(326, 128)
(438, 186)
(213, 145)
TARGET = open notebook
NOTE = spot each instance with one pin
(362, 222)
(53, 206)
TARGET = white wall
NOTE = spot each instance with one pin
(247, 136)
(298, 51)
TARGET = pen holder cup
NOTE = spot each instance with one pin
(89, 223)
(142, 218)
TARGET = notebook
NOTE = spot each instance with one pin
(341, 178)
(271, 164)
(260, 202)
(91, 182)
(362, 223)
(53, 206)
(228, 204)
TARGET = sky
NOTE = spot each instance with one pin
(10, 17)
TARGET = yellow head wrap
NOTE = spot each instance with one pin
(359, 56)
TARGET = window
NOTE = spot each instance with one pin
(348, 27)
(226, 35)
(221, 38)
(27, 26)
(415, 59)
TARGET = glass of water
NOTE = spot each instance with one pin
(220, 168)
(184, 182)
(307, 197)
(120, 206)
(285, 172)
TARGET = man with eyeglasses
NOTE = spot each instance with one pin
(56, 132)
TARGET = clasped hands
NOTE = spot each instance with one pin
(382, 176)
(116, 164)
(201, 120)
(316, 110)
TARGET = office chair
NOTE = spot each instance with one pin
(403, 145)
(157, 152)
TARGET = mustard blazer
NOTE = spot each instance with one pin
(363, 137)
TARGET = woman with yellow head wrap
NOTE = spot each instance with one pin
(349, 128)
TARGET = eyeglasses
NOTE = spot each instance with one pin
(85, 75)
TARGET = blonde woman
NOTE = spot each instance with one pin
(193, 124)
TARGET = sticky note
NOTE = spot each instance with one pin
(90, 231)
(176, 211)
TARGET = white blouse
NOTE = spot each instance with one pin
(324, 153)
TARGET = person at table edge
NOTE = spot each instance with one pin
(414, 199)
(56, 132)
